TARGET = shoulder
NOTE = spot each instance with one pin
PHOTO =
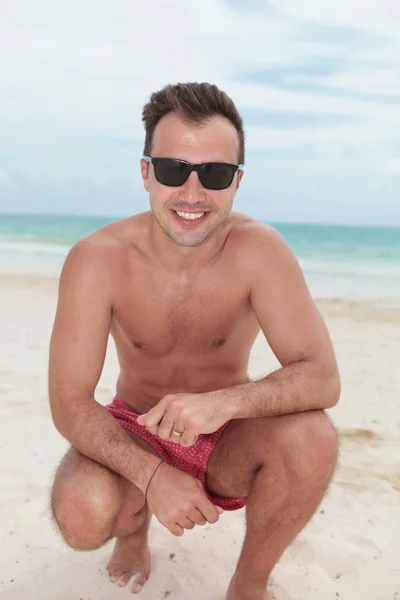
(106, 249)
(259, 244)
(95, 260)
(96, 252)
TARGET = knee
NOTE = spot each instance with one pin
(312, 443)
(326, 441)
(85, 517)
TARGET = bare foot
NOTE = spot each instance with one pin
(235, 594)
(131, 558)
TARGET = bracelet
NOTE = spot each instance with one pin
(151, 478)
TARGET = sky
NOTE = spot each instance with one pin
(317, 83)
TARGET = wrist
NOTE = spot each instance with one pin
(145, 472)
(151, 479)
(234, 409)
(229, 402)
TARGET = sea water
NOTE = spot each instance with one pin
(337, 261)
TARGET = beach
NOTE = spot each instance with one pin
(349, 550)
(190, 121)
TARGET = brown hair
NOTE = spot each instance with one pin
(195, 103)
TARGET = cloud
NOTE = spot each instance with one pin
(373, 82)
(393, 166)
(374, 16)
(318, 85)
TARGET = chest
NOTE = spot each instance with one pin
(161, 314)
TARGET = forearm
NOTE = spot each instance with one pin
(95, 433)
(297, 387)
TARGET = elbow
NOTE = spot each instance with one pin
(332, 387)
(58, 419)
(68, 412)
(62, 410)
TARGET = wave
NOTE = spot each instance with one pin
(30, 244)
(30, 248)
(355, 269)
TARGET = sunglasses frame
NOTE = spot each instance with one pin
(193, 167)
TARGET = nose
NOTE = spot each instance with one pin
(192, 191)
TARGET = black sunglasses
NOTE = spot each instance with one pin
(174, 172)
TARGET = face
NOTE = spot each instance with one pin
(215, 141)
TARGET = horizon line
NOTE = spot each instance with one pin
(120, 217)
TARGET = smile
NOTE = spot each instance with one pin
(190, 216)
(189, 219)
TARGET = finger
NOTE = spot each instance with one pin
(188, 438)
(176, 435)
(141, 419)
(154, 417)
(176, 529)
(165, 427)
(197, 517)
(178, 428)
(186, 523)
(209, 511)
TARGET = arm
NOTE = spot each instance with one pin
(77, 352)
(296, 333)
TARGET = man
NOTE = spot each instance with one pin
(184, 289)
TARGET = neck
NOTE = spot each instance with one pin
(177, 258)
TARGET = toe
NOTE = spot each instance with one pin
(125, 578)
(139, 583)
(116, 573)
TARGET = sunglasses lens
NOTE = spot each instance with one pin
(216, 176)
(171, 172)
(174, 173)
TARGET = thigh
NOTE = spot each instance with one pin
(247, 444)
(235, 458)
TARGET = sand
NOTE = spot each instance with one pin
(351, 548)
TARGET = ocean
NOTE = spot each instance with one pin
(348, 262)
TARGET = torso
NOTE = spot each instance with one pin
(181, 332)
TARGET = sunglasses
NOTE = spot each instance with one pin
(174, 172)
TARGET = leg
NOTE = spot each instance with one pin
(284, 466)
(91, 505)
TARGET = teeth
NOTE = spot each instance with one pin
(189, 216)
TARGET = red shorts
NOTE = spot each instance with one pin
(192, 460)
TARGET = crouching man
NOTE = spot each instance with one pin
(184, 289)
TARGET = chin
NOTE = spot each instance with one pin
(188, 241)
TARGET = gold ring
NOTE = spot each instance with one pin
(177, 433)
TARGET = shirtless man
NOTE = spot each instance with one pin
(184, 289)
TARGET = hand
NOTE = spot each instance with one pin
(189, 414)
(179, 501)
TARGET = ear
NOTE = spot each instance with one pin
(144, 168)
(239, 178)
